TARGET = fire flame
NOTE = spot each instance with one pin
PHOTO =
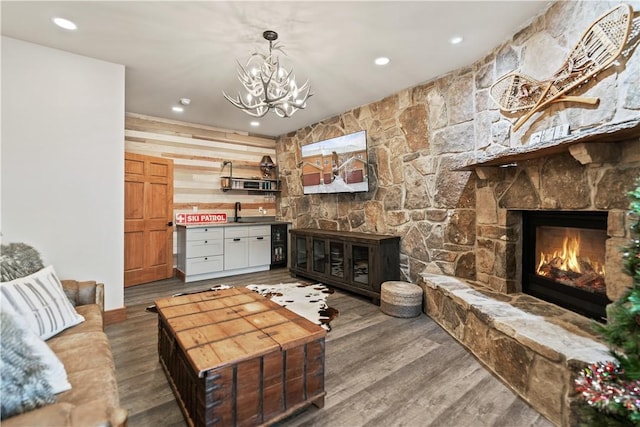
(568, 259)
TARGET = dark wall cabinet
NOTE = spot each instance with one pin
(356, 262)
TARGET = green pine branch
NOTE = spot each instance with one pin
(622, 331)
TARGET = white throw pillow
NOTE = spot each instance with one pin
(55, 373)
(41, 301)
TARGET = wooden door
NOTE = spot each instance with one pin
(148, 216)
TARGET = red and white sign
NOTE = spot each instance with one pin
(200, 218)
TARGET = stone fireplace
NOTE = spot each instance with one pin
(550, 225)
(544, 197)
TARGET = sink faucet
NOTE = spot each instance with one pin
(238, 207)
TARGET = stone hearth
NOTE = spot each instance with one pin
(535, 347)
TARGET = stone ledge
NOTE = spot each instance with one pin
(535, 347)
(527, 328)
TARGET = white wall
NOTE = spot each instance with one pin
(62, 160)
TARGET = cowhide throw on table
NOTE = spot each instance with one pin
(306, 300)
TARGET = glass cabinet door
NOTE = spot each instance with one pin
(336, 258)
(319, 257)
(279, 244)
(360, 267)
(301, 252)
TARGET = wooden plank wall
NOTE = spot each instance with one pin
(198, 152)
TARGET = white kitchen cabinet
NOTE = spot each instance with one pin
(259, 245)
(204, 265)
(236, 247)
(207, 252)
(200, 251)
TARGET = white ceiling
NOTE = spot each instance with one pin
(189, 49)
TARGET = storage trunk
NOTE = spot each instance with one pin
(235, 358)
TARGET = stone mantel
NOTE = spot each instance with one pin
(602, 134)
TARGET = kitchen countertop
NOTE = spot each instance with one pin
(243, 221)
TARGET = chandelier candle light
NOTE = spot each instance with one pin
(269, 85)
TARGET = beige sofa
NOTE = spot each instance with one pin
(85, 351)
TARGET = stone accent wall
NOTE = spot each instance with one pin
(420, 136)
(415, 193)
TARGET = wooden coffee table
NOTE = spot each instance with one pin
(235, 358)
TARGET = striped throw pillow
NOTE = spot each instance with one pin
(40, 299)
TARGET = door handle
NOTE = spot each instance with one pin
(260, 238)
(170, 224)
(236, 240)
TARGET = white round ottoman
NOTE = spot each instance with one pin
(401, 299)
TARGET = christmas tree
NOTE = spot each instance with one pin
(611, 389)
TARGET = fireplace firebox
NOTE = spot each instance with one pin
(563, 258)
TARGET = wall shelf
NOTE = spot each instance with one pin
(228, 183)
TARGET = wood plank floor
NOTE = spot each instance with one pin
(380, 370)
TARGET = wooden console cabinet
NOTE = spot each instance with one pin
(356, 262)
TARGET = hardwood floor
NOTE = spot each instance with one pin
(380, 370)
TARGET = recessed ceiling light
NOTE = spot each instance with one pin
(383, 60)
(185, 101)
(65, 23)
(177, 109)
(456, 40)
(255, 124)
